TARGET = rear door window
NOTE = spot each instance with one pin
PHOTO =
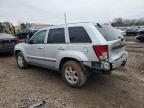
(108, 32)
(78, 35)
(56, 35)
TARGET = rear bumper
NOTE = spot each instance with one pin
(108, 66)
(120, 61)
(4, 49)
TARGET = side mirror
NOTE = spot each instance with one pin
(28, 41)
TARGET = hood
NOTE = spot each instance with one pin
(6, 36)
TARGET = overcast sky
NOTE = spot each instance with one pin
(52, 11)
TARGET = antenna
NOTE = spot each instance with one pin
(66, 28)
(65, 19)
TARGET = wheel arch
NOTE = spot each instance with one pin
(16, 52)
(22, 51)
(64, 60)
(70, 55)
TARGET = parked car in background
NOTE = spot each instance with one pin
(7, 43)
(141, 32)
(140, 38)
(75, 50)
(122, 32)
(132, 31)
(24, 33)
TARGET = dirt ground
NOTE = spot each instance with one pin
(123, 89)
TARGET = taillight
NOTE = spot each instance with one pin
(17, 41)
(1, 42)
(101, 51)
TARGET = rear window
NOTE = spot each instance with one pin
(78, 35)
(56, 35)
(108, 32)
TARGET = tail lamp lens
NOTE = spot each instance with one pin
(101, 51)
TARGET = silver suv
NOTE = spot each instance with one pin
(76, 50)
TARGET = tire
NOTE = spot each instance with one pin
(73, 74)
(21, 62)
(124, 63)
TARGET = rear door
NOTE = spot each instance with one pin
(115, 40)
(55, 45)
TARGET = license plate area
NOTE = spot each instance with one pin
(9, 43)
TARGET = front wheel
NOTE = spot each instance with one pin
(124, 63)
(21, 62)
(73, 74)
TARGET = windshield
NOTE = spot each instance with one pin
(108, 32)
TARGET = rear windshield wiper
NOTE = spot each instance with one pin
(122, 39)
(99, 25)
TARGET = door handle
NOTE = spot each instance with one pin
(61, 48)
(40, 47)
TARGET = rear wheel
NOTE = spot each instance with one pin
(73, 74)
(21, 62)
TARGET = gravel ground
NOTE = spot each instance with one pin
(123, 89)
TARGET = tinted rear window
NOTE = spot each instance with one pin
(108, 32)
(78, 35)
(56, 35)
